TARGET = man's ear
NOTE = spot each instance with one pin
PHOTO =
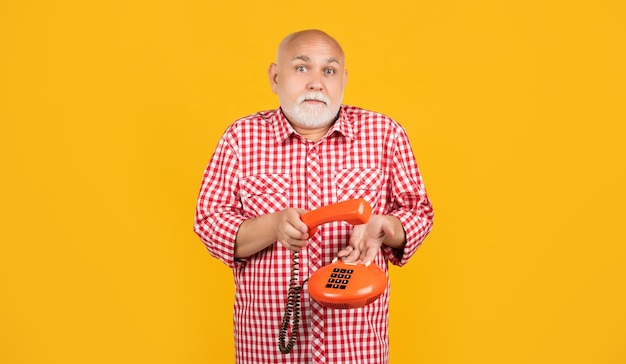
(272, 73)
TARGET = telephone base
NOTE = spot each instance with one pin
(347, 285)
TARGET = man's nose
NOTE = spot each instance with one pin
(315, 83)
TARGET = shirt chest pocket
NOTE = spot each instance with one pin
(264, 193)
(359, 183)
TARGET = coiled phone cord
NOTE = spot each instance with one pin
(292, 309)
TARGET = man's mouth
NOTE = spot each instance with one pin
(313, 101)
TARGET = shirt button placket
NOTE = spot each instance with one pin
(314, 191)
(313, 179)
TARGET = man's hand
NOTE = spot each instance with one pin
(284, 226)
(291, 232)
(367, 239)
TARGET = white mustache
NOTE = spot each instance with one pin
(313, 96)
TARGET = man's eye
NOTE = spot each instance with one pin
(301, 69)
(330, 71)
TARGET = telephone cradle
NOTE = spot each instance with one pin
(347, 285)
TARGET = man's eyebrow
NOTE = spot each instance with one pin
(307, 59)
(302, 58)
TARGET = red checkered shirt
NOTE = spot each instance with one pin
(261, 165)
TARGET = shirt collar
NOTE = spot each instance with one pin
(344, 125)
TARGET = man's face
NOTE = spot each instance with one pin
(309, 78)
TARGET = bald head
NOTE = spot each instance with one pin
(306, 37)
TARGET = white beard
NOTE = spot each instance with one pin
(311, 116)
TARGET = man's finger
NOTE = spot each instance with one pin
(353, 256)
(369, 255)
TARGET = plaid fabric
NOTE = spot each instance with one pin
(261, 165)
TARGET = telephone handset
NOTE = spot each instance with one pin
(354, 212)
(337, 285)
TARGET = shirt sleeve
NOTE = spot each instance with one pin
(218, 211)
(410, 203)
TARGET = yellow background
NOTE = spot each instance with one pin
(111, 109)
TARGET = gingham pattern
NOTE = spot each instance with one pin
(261, 166)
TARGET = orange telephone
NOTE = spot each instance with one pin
(337, 285)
